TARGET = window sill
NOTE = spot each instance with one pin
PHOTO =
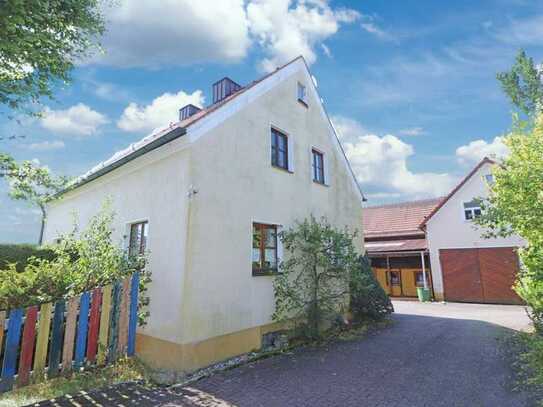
(282, 169)
(261, 273)
(303, 103)
(322, 184)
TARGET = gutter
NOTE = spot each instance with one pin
(159, 142)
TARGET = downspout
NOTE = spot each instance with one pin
(424, 270)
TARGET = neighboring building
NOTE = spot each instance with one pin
(464, 265)
(397, 246)
(206, 197)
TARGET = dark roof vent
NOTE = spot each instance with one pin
(224, 88)
(187, 111)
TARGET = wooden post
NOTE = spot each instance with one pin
(423, 270)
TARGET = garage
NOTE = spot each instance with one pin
(480, 274)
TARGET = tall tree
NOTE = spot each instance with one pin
(30, 182)
(515, 206)
(39, 42)
(524, 84)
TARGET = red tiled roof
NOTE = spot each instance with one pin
(401, 219)
(485, 160)
(400, 245)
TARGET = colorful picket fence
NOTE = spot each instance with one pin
(45, 341)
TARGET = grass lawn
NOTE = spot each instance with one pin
(122, 371)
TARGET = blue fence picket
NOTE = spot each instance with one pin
(133, 321)
(56, 339)
(114, 322)
(11, 350)
(82, 328)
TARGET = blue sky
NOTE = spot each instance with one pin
(409, 84)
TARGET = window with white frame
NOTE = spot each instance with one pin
(472, 209)
(302, 94)
(489, 178)
(138, 238)
(318, 166)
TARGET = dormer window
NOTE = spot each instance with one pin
(489, 178)
(302, 94)
(472, 210)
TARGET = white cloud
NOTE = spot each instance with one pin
(476, 150)
(162, 111)
(413, 131)
(46, 145)
(381, 168)
(77, 121)
(373, 29)
(326, 50)
(150, 33)
(286, 29)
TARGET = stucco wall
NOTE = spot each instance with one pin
(237, 185)
(153, 188)
(448, 228)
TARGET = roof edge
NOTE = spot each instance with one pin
(484, 161)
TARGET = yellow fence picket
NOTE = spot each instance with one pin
(42, 341)
(103, 334)
(69, 334)
(123, 317)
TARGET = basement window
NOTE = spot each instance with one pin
(264, 249)
(472, 210)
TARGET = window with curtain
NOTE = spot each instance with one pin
(138, 238)
(318, 166)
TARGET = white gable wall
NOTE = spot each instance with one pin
(448, 229)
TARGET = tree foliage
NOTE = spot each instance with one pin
(28, 181)
(515, 206)
(368, 299)
(313, 286)
(524, 84)
(82, 261)
(39, 42)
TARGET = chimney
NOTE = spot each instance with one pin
(224, 88)
(187, 111)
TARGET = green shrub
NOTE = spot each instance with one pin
(20, 253)
(80, 262)
(368, 299)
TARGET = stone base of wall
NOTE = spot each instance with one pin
(164, 355)
(439, 296)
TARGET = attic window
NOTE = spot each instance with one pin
(302, 94)
(472, 210)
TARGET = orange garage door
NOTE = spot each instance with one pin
(480, 275)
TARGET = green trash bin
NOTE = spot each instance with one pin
(423, 294)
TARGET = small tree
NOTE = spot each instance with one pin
(313, 286)
(30, 182)
(515, 206)
(524, 84)
(368, 299)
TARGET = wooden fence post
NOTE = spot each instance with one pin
(10, 351)
(42, 342)
(27, 347)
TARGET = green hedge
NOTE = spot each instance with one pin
(19, 253)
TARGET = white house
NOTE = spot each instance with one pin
(466, 266)
(437, 239)
(206, 197)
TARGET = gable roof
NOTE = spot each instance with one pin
(484, 161)
(399, 219)
(161, 137)
(178, 129)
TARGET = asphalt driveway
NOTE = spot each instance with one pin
(433, 355)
